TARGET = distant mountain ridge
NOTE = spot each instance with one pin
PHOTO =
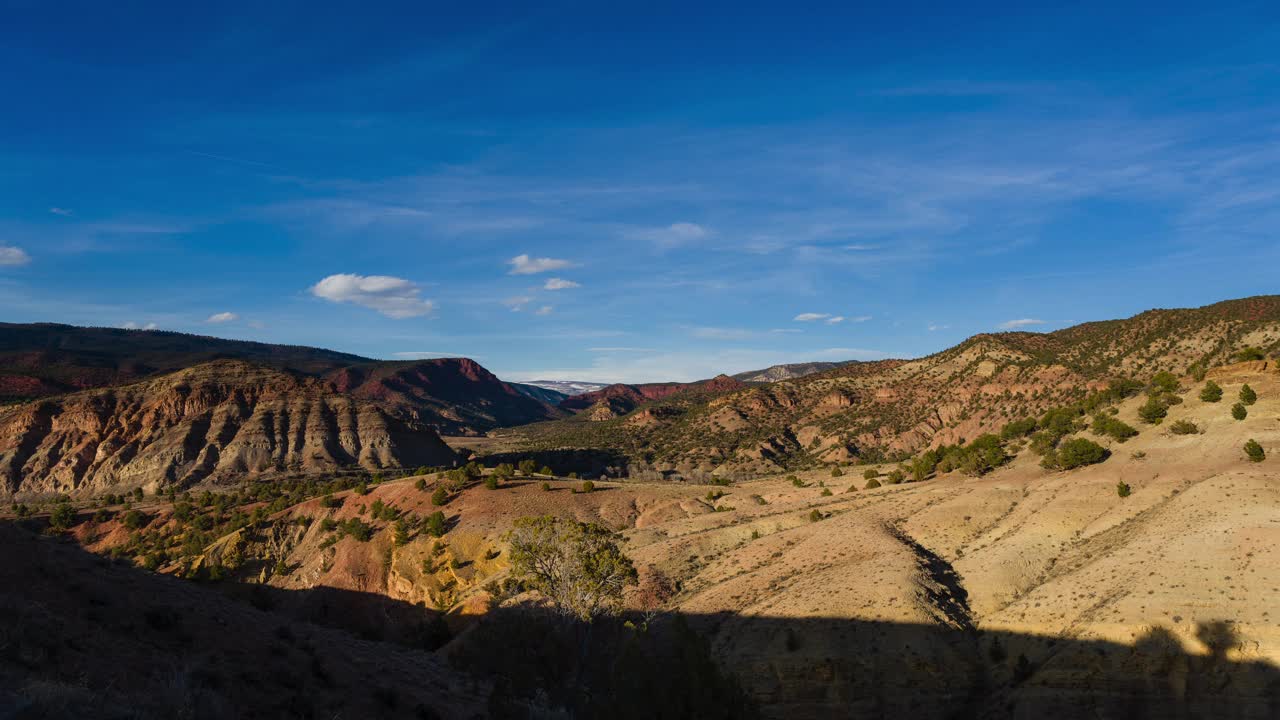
(621, 399)
(568, 387)
(790, 371)
(452, 395)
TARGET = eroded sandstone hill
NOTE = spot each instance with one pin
(452, 395)
(892, 408)
(217, 420)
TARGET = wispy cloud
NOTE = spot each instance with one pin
(60, 211)
(1020, 323)
(673, 235)
(835, 319)
(811, 317)
(222, 317)
(544, 310)
(12, 256)
(391, 296)
(526, 265)
(131, 325)
(933, 327)
(517, 303)
(559, 284)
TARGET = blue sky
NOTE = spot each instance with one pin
(585, 191)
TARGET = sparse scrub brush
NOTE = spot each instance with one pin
(869, 473)
(588, 486)
(815, 515)
(826, 492)
(1254, 451)
(1123, 489)
(1247, 395)
(1184, 427)
(1239, 412)
(1211, 392)
(837, 472)
(872, 484)
(439, 497)
(546, 486)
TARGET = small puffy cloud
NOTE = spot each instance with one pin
(135, 326)
(60, 211)
(560, 284)
(391, 296)
(517, 303)
(810, 317)
(1020, 323)
(525, 265)
(222, 317)
(12, 256)
(674, 234)
(544, 310)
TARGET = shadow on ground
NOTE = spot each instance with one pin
(83, 637)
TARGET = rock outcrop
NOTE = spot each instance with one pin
(218, 420)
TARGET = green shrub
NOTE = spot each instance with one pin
(527, 466)
(588, 486)
(1123, 489)
(1249, 353)
(546, 471)
(420, 484)
(1076, 452)
(400, 533)
(851, 488)
(328, 501)
(1112, 427)
(795, 481)
(836, 472)
(62, 517)
(872, 484)
(1164, 382)
(1211, 392)
(491, 482)
(815, 515)
(1184, 427)
(1254, 451)
(439, 497)
(545, 486)
(434, 524)
(1239, 412)
(1153, 411)
(1197, 371)
(134, 519)
(826, 492)
(1247, 395)
(1018, 428)
(869, 473)
(896, 477)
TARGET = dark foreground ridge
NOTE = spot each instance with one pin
(82, 637)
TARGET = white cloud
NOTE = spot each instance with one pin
(517, 303)
(525, 265)
(545, 310)
(835, 320)
(10, 255)
(720, 333)
(60, 211)
(391, 296)
(810, 317)
(934, 327)
(135, 326)
(860, 318)
(560, 284)
(1023, 322)
(222, 317)
(674, 234)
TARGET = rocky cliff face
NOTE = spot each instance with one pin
(220, 419)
